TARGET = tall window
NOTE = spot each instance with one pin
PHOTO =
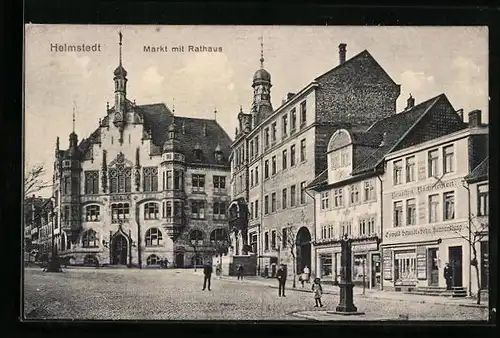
(179, 179)
(292, 196)
(150, 175)
(397, 172)
(449, 205)
(273, 239)
(198, 182)
(198, 209)
(303, 150)
(92, 213)
(256, 175)
(66, 185)
(293, 120)
(411, 212)
(303, 113)
(251, 178)
(482, 200)
(266, 138)
(324, 200)
(151, 210)
(256, 143)
(256, 208)
(251, 149)
(346, 228)
(432, 163)
(284, 198)
(338, 200)
(284, 163)
(220, 210)
(284, 125)
(273, 202)
(266, 169)
(433, 208)
(120, 211)
(266, 240)
(92, 182)
(369, 190)
(292, 155)
(89, 239)
(153, 237)
(410, 169)
(398, 213)
(251, 210)
(219, 183)
(354, 189)
(302, 192)
(120, 179)
(169, 179)
(273, 167)
(273, 132)
(448, 159)
(284, 237)
(266, 205)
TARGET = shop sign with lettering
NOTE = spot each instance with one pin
(424, 188)
(387, 264)
(421, 262)
(433, 231)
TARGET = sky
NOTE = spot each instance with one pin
(425, 61)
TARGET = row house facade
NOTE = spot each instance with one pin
(145, 186)
(277, 153)
(38, 222)
(426, 205)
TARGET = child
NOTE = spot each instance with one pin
(318, 291)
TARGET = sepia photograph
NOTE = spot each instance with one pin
(255, 173)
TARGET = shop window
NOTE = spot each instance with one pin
(326, 265)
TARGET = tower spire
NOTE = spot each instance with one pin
(261, 51)
(74, 104)
(215, 114)
(121, 37)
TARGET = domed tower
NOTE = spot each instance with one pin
(120, 80)
(70, 187)
(261, 106)
(173, 167)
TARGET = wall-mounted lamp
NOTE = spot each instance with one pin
(134, 244)
(105, 243)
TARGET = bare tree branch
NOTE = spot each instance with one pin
(34, 181)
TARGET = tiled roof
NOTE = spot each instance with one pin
(480, 172)
(363, 54)
(395, 127)
(158, 117)
(369, 139)
(321, 179)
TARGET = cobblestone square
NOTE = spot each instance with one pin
(170, 294)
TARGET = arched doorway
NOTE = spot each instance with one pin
(119, 250)
(303, 244)
(179, 259)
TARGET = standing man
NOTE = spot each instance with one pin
(448, 275)
(207, 272)
(240, 271)
(281, 275)
(307, 274)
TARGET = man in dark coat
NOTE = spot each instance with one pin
(281, 275)
(207, 272)
(240, 271)
(448, 275)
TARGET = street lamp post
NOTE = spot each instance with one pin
(53, 265)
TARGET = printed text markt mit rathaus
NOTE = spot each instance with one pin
(182, 49)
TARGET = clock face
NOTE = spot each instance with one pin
(118, 116)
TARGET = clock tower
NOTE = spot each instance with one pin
(120, 79)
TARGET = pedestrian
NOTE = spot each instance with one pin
(281, 275)
(307, 273)
(207, 272)
(218, 270)
(240, 271)
(448, 275)
(318, 291)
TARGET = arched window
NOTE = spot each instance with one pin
(90, 260)
(153, 260)
(151, 210)
(89, 239)
(196, 237)
(92, 213)
(218, 235)
(153, 237)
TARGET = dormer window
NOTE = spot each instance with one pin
(198, 154)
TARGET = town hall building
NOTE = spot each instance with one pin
(146, 186)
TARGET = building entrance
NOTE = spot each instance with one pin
(455, 259)
(375, 278)
(119, 250)
(179, 259)
(432, 257)
(303, 244)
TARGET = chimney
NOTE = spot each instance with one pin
(410, 102)
(289, 96)
(342, 51)
(460, 113)
(475, 118)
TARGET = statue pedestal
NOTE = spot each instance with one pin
(346, 305)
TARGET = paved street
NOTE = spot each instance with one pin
(87, 293)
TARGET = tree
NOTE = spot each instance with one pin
(287, 239)
(34, 180)
(477, 232)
